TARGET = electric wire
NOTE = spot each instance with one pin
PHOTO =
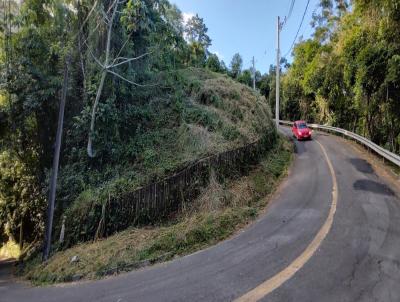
(298, 30)
(289, 14)
(290, 9)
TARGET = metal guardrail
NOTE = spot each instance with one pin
(390, 156)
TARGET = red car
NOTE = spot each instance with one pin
(300, 130)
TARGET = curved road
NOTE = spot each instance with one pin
(353, 257)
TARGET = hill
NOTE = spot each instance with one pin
(203, 114)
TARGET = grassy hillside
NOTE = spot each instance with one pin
(202, 113)
(193, 114)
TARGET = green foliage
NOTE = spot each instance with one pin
(230, 133)
(20, 200)
(197, 54)
(236, 65)
(346, 75)
(196, 32)
(246, 77)
(203, 115)
(199, 116)
(214, 64)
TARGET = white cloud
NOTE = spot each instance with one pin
(187, 16)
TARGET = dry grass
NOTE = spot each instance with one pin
(197, 141)
(238, 106)
(220, 210)
(211, 199)
(241, 114)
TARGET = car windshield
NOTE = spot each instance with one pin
(302, 126)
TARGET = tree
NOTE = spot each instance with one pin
(30, 86)
(173, 15)
(246, 77)
(146, 42)
(196, 31)
(109, 65)
(236, 65)
(213, 63)
(224, 69)
(197, 55)
(21, 202)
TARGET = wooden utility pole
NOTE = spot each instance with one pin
(278, 30)
(56, 160)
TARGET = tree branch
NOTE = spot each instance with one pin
(128, 60)
(103, 77)
(98, 24)
(122, 47)
(105, 17)
(88, 16)
(129, 81)
(94, 57)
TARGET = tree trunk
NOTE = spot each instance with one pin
(103, 76)
(93, 117)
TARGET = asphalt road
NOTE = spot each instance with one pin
(358, 259)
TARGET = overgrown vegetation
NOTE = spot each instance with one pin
(347, 74)
(222, 208)
(141, 102)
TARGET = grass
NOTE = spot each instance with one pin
(220, 210)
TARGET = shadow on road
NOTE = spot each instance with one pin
(6, 269)
(372, 186)
(301, 146)
(361, 165)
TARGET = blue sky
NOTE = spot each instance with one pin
(249, 26)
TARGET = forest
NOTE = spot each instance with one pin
(137, 82)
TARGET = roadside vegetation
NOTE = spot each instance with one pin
(347, 75)
(144, 97)
(222, 208)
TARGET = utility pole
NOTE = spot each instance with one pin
(56, 160)
(254, 74)
(278, 31)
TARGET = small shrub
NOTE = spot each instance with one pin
(235, 95)
(230, 133)
(195, 115)
(236, 112)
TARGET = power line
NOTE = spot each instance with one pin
(289, 14)
(298, 30)
(304, 31)
(290, 9)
